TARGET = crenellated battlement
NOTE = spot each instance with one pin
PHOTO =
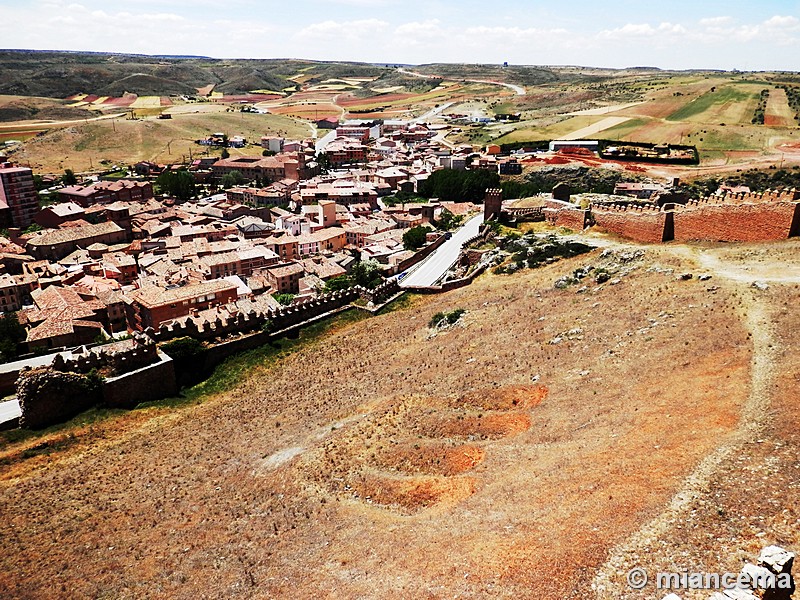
(143, 352)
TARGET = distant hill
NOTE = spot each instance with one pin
(62, 74)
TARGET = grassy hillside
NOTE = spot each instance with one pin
(61, 74)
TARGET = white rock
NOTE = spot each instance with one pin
(776, 559)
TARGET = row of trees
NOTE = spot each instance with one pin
(451, 185)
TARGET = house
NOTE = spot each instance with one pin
(267, 168)
(57, 214)
(340, 192)
(19, 200)
(150, 306)
(327, 123)
(12, 293)
(107, 192)
(509, 167)
(57, 244)
(285, 279)
(61, 317)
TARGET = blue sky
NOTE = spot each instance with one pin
(676, 34)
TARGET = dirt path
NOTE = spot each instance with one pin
(591, 130)
(610, 582)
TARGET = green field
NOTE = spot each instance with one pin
(728, 104)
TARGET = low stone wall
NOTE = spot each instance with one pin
(737, 222)
(450, 285)
(643, 224)
(152, 382)
(565, 214)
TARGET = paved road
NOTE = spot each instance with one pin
(10, 410)
(433, 112)
(436, 265)
(323, 142)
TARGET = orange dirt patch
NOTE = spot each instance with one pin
(380, 99)
(307, 111)
(413, 494)
(506, 398)
(484, 426)
(432, 459)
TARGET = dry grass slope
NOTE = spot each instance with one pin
(388, 461)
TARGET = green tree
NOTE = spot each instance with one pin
(184, 347)
(232, 179)
(284, 299)
(11, 335)
(179, 184)
(448, 220)
(450, 185)
(367, 273)
(415, 238)
(334, 284)
(225, 153)
(69, 178)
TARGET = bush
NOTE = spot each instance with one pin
(284, 299)
(446, 318)
(184, 347)
(415, 238)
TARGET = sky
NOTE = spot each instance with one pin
(670, 34)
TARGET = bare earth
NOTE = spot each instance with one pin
(542, 446)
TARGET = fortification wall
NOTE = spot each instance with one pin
(648, 225)
(149, 383)
(226, 324)
(737, 222)
(418, 257)
(565, 214)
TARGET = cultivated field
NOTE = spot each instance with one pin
(521, 450)
(125, 141)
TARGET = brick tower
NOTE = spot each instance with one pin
(492, 204)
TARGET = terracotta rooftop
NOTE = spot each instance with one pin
(155, 296)
(74, 234)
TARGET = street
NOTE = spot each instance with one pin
(436, 265)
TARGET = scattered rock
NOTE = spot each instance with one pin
(704, 277)
(776, 559)
(760, 285)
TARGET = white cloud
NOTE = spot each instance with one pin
(716, 21)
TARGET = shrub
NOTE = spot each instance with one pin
(446, 318)
(182, 348)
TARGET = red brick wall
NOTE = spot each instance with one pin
(565, 214)
(571, 218)
(642, 226)
(736, 222)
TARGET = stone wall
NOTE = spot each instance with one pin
(643, 224)
(152, 382)
(418, 257)
(247, 322)
(47, 397)
(142, 353)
